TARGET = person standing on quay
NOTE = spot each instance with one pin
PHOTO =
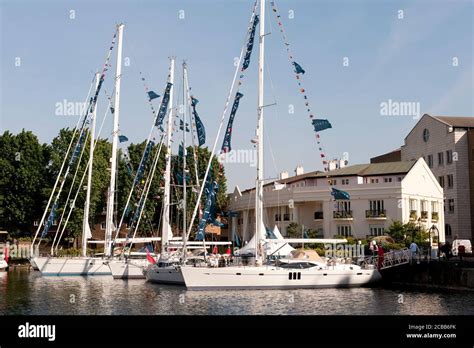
(414, 250)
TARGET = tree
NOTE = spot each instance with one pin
(408, 232)
(23, 175)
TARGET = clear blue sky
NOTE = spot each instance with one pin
(407, 59)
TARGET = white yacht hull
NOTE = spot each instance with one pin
(131, 269)
(164, 275)
(64, 266)
(33, 264)
(202, 278)
(3, 264)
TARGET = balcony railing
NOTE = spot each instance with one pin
(413, 215)
(342, 214)
(318, 215)
(424, 215)
(375, 214)
(434, 216)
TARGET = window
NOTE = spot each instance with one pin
(451, 205)
(434, 207)
(399, 178)
(376, 205)
(344, 230)
(387, 179)
(430, 161)
(450, 181)
(449, 156)
(413, 205)
(447, 230)
(334, 182)
(374, 181)
(440, 158)
(441, 181)
(318, 215)
(102, 226)
(344, 206)
(377, 230)
(345, 181)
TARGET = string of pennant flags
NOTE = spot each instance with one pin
(318, 124)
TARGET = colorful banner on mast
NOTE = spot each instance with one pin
(226, 146)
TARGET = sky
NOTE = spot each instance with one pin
(415, 51)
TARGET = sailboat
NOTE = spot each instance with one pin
(166, 270)
(131, 265)
(86, 265)
(287, 273)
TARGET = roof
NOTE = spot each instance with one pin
(369, 169)
(457, 121)
(453, 121)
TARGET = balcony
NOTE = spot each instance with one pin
(342, 214)
(413, 215)
(318, 215)
(434, 216)
(375, 214)
(424, 215)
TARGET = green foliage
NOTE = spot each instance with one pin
(23, 175)
(404, 234)
(294, 230)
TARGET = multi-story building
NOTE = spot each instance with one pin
(447, 145)
(379, 194)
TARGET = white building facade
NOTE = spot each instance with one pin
(379, 194)
(447, 145)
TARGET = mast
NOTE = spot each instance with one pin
(185, 106)
(86, 230)
(259, 181)
(166, 228)
(109, 224)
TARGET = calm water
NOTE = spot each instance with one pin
(25, 292)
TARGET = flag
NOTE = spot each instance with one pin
(149, 257)
(339, 194)
(298, 68)
(152, 95)
(123, 138)
(164, 105)
(201, 132)
(320, 125)
(277, 186)
(248, 53)
(226, 147)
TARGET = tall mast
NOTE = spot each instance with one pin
(259, 181)
(166, 227)
(109, 224)
(86, 230)
(185, 107)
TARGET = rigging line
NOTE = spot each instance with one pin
(146, 190)
(82, 180)
(66, 203)
(237, 68)
(92, 103)
(63, 164)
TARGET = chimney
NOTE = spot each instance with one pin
(299, 170)
(332, 165)
(284, 175)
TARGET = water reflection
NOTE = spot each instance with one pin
(24, 292)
